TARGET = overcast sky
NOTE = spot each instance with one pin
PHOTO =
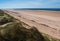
(29, 3)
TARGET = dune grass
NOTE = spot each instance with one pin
(16, 32)
(4, 18)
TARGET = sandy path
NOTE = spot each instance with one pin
(43, 22)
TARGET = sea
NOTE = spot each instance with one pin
(50, 9)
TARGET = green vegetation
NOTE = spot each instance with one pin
(17, 31)
(4, 18)
(49, 38)
(1, 13)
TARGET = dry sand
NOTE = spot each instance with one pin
(45, 21)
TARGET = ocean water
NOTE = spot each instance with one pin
(51, 9)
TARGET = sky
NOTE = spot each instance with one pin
(29, 4)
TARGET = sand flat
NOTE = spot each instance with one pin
(45, 21)
(41, 12)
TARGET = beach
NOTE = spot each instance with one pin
(45, 21)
